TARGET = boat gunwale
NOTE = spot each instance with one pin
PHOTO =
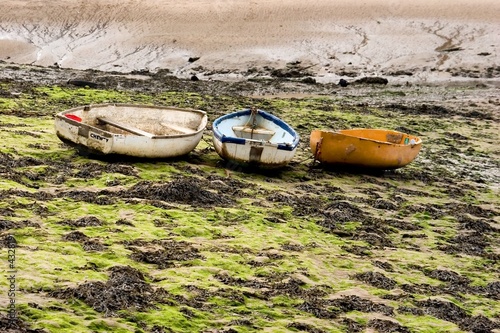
(204, 119)
(266, 115)
(417, 142)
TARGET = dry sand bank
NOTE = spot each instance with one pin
(429, 40)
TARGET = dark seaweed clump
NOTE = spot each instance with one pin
(126, 288)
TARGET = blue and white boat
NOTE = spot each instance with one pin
(254, 137)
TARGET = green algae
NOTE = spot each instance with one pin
(252, 239)
(427, 324)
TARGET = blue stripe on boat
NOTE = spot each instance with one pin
(263, 114)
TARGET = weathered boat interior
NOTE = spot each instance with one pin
(259, 133)
(137, 120)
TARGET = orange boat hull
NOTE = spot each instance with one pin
(366, 148)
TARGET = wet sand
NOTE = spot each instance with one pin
(422, 41)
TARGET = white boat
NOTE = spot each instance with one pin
(131, 130)
(254, 137)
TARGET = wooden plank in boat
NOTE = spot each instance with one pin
(127, 128)
(247, 129)
(177, 128)
(394, 138)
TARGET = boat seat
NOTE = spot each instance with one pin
(124, 127)
(394, 138)
(177, 128)
(259, 133)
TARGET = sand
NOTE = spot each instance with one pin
(424, 40)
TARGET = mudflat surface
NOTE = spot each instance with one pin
(419, 41)
(199, 244)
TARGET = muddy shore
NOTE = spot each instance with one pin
(196, 244)
(305, 249)
(420, 41)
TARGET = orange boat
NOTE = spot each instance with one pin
(366, 148)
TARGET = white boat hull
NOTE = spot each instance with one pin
(153, 135)
(248, 153)
(271, 143)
